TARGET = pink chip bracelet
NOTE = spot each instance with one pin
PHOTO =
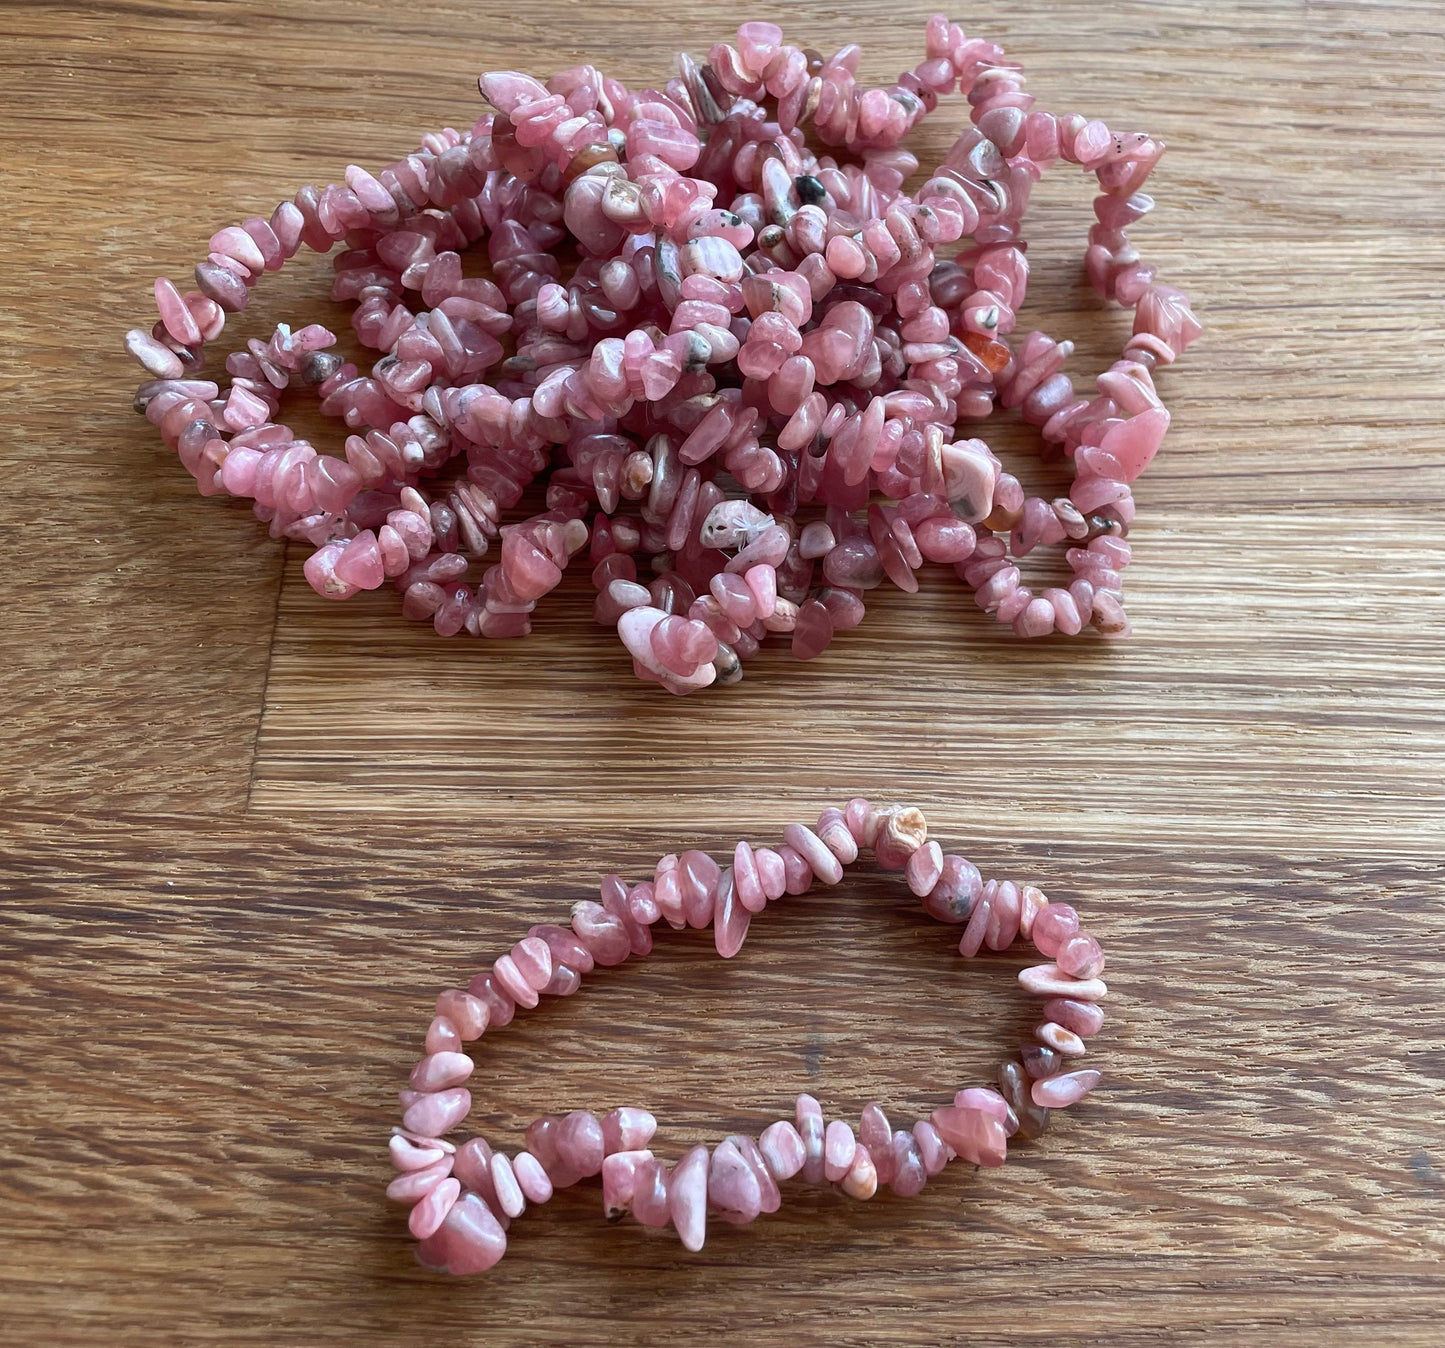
(750, 380)
(463, 1196)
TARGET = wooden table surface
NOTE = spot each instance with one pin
(245, 835)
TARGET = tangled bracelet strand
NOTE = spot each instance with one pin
(463, 1197)
(807, 344)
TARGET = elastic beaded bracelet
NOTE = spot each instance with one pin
(463, 1197)
(807, 343)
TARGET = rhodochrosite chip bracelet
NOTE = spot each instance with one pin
(464, 1195)
(731, 371)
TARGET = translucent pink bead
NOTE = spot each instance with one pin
(580, 1144)
(782, 1149)
(772, 872)
(411, 1186)
(1081, 956)
(974, 1134)
(815, 852)
(650, 1205)
(687, 1198)
(809, 1122)
(437, 1071)
(531, 1177)
(1083, 1018)
(432, 1209)
(627, 1129)
(924, 868)
(435, 1114)
(731, 918)
(1057, 1092)
(469, 1239)
(1052, 927)
(619, 1181)
(839, 1146)
(732, 1185)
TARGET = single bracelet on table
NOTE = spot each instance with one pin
(464, 1195)
(808, 343)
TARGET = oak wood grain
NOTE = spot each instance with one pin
(215, 962)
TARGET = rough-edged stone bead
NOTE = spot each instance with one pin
(698, 876)
(772, 873)
(1053, 926)
(1059, 1039)
(580, 1144)
(155, 357)
(614, 900)
(991, 1103)
(504, 1184)
(531, 1177)
(223, 286)
(747, 883)
(1081, 956)
(798, 875)
(177, 319)
(532, 958)
(770, 1197)
(469, 1014)
(1032, 901)
(862, 820)
(627, 1129)
(903, 832)
(730, 919)
(732, 1187)
(1040, 1061)
(953, 895)
(925, 869)
(436, 1113)
(541, 1138)
(1014, 1085)
(505, 971)
(1057, 1092)
(687, 1198)
(407, 1154)
(971, 942)
(473, 1166)
(601, 932)
(973, 1134)
(838, 1147)
(469, 1240)
(619, 1181)
(815, 852)
(932, 1149)
(413, 1185)
(442, 1036)
(565, 946)
(649, 1194)
(667, 891)
(430, 1212)
(909, 1174)
(234, 242)
(809, 1119)
(1048, 980)
(564, 982)
(782, 1149)
(437, 1071)
(833, 830)
(1003, 916)
(1083, 1018)
(861, 1181)
(875, 1133)
(642, 904)
(499, 1007)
